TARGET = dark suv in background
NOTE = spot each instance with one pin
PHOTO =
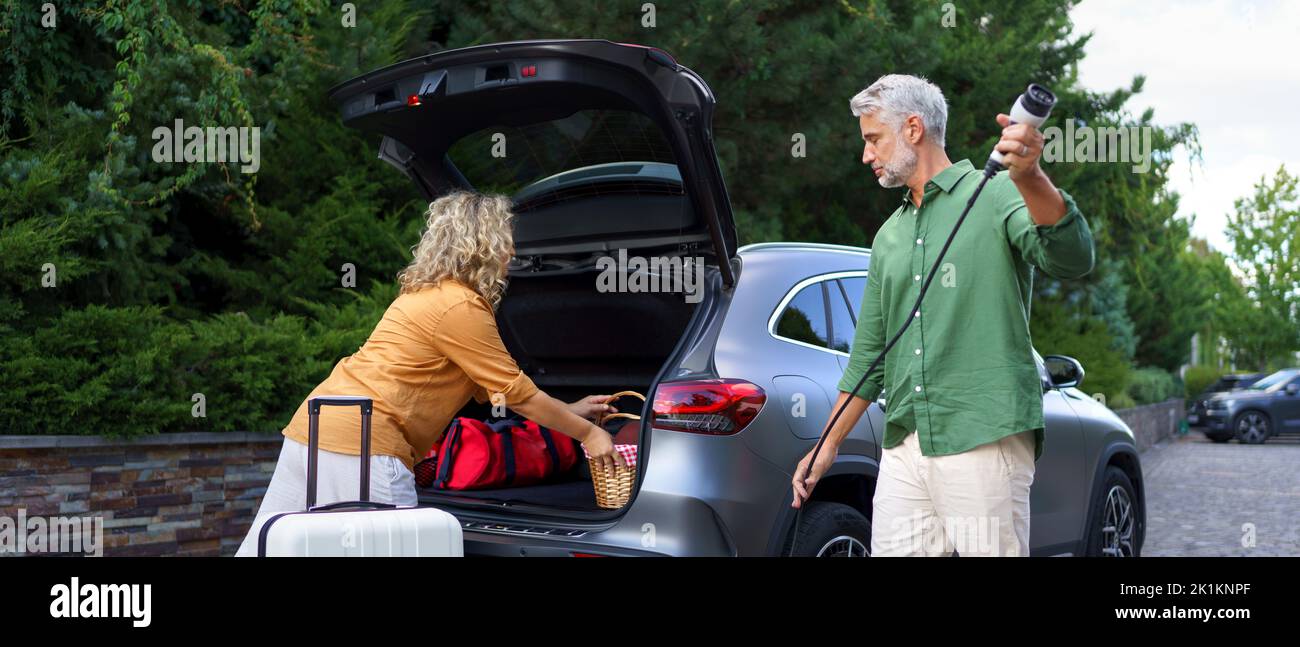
(1225, 384)
(1267, 408)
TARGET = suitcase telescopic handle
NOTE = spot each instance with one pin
(313, 439)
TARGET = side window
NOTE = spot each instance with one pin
(842, 319)
(804, 318)
(854, 287)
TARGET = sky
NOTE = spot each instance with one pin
(1231, 68)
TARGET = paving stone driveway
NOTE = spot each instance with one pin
(1201, 496)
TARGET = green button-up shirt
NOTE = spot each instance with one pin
(964, 372)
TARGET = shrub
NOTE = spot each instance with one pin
(1149, 385)
(133, 371)
(1199, 378)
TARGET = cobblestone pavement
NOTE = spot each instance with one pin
(1204, 498)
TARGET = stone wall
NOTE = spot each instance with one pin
(1153, 423)
(171, 494)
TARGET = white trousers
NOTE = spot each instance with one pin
(975, 502)
(338, 478)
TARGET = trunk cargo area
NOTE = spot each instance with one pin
(573, 341)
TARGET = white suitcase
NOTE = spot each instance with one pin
(356, 528)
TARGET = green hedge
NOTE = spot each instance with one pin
(1148, 385)
(131, 371)
(1199, 378)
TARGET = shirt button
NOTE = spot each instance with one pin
(918, 351)
(918, 389)
(918, 241)
(916, 278)
(918, 313)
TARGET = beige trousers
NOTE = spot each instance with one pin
(975, 502)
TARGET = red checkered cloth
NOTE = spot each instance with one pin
(628, 452)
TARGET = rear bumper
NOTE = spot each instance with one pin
(500, 544)
(701, 496)
(655, 525)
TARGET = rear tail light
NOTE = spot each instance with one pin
(413, 100)
(718, 407)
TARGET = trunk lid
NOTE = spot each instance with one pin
(636, 103)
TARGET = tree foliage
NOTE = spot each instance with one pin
(176, 279)
(1265, 234)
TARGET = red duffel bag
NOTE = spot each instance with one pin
(512, 452)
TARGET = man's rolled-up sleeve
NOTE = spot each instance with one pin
(467, 334)
(1063, 250)
(868, 341)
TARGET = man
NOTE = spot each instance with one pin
(964, 417)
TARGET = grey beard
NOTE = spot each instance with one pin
(900, 168)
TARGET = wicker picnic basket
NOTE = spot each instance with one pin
(614, 485)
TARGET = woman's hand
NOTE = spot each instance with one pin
(592, 406)
(600, 446)
(553, 414)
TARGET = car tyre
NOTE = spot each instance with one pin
(1113, 530)
(1252, 427)
(828, 529)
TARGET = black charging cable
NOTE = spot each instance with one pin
(1032, 107)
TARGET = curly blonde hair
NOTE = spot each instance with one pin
(468, 238)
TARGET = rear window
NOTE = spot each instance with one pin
(804, 319)
(505, 159)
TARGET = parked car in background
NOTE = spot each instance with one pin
(1267, 408)
(1225, 384)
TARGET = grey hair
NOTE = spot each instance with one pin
(897, 96)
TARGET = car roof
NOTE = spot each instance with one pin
(758, 248)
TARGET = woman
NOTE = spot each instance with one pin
(436, 346)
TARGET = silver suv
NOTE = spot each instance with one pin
(1253, 414)
(607, 149)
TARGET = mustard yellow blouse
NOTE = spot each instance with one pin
(433, 350)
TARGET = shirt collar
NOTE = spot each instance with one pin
(944, 180)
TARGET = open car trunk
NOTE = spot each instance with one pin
(574, 340)
(603, 147)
